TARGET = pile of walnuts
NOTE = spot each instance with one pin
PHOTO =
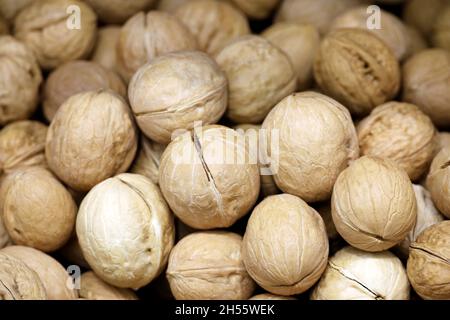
(128, 167)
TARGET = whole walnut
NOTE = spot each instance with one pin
(105, 53)
(269, 296)
(72, 252)
(9, 9)
(22, 144)
(94, 288)
(125, 230)
(416, 41)
(300, 43)
(148, 159)
(373, 204)
(319, 13)
(118, 11)
(75, 77)
(438, 180)
(426, 82)
(145, 36)
(392, 30)
(51, 273)
(428, 264)
(423, 14)
(427, 215)
(400, 132)
(324, 209)
(259, 75)
(256, 9)
(214, 23)
(56, 31)
(352, 274)
(356, 68)
(91, 138)
(208, 266)
(285, 246)
(174, 91)
(441, 29)
(19, 282)
(20, 78)
(443, 141)
(208, 177)
(327, 133)
(37, 209)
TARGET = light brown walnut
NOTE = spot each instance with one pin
(438, 180)
(118, 11)
(105, 53)
(94, 288)
(148, 159)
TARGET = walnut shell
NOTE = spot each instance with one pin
(176, 90)
(105, 53)
(91, 138)
(259, 76)
(44, 27)
(269, 296)
(300, 43)
(19, 282)
(400, 132)
(256, 9)
(206, 178)
(428, 264)
(416, 41)
(352, 274)
(94, 288)
(373, 204)
(319, 13)
(37, 209)
(75, 77)
(72, 252)
(438, 180)
(20, 78)
(324, 209)
(148, 159)
(145, 36)
(327, 133)
(426, 82)
(356, 68)
(443, 141)
(118, 11)
(125, 230)
(22, 144)
(51, 273)
(392, 32)
(427, 215)
(285, 246)
(9, 9)
(423, 14)
(208, 266)
(215, 24)
(441, 29)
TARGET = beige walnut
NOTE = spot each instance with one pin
(300, 43)
(208, 266)
(148, 159)
(91, 138)
(20, 78)
(259, 76)
(358, 69)
(105, 53)
(215, 24)
(125, 230)
(438, 179)
(94, 288)
(319, 13)
(22, 144)
(148, 35)
(423, 14)
(75, 77)
(416, 41)
(269, 296)
(118, 11)
(51, 273)
(373, 204)
(327, 134)
(443, 141)
(427, 215)
(285, 246)
(256, 9)
(393, 32)
(208, 178)
(44, 27)
(37, 209)
(426, 79)
(72, 252)
(441, 29)
(324, 209)
(19, 282)
(400, 132)
(428, 264)
(176, 90)
(352, 274)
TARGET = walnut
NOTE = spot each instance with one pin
(105, 53)
(118, 11)
(438, 180)
(94, 288)
(148, 159)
